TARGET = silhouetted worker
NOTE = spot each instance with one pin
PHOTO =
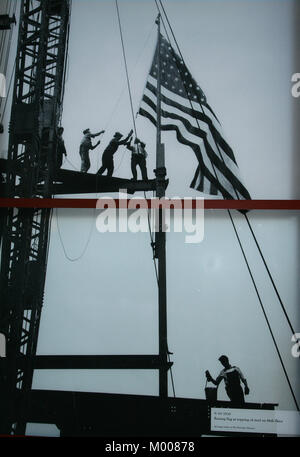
(60, 148)
(108, 154)
(232, 377)
(1, 128)
(138, 157)
(85, 146)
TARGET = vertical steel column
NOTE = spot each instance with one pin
(161, 237)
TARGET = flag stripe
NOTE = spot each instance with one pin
(184, 109)
(194, 143)
(195, 147)
(196, 115)
(232, 181)
(193, 137)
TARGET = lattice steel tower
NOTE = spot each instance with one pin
(35, 116)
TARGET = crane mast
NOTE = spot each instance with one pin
(35, 116)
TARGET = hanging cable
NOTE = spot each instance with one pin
(122, 92)
(237, 195)
(265, 315)
(72, 165)
(234, 227)
(270, 276)
(171, 373)
(135, 130)
(244, 214)
(134, 124)
(133, 70)
(65, 75)
(68, 257)
(126, 68)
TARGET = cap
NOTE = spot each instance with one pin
(223, 358)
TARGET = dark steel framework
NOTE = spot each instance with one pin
(36, 108)
(31, 173)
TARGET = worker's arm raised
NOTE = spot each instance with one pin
(129, 146)
(93, 135)
(127, 138)
(94, 147)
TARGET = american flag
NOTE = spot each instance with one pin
(184, 109)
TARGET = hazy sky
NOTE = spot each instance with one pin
(106, 303)
(242, 53)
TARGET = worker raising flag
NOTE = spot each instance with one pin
(185, 110)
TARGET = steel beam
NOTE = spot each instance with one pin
(99, 362)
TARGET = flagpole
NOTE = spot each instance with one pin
(160, 238)
(158, 102)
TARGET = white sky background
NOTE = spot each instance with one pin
(106, 302)
(242, 55)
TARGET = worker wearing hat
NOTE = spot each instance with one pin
(111, 149)
(232, 376)
(85, 147)
(138, 157)
(60, 147)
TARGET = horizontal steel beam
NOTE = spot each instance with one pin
(91, 362)
(67, 182)
(74, 182)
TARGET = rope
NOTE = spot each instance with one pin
(125, 85)
(134, 124)
(68, 257)
(65, 78)
(234, 227)
(135, 131)
(69, 161)
(264, 313)
(126, 68)
(171, 373)
(270, 276)
(245, 215)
